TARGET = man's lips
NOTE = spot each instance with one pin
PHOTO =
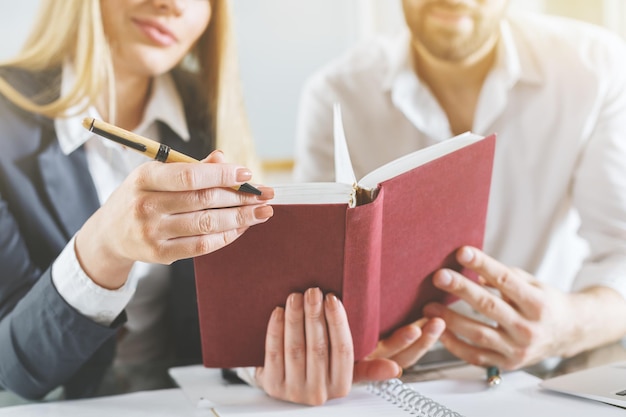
(449, 15)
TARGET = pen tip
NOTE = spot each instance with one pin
(88, 123)
(249, 189)
(494, 381)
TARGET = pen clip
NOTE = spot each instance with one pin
(128, 143)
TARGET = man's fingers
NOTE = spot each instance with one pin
(479, 298)
(471, 354)
(477, 333)
(513, 283)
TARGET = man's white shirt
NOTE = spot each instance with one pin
(556, 98)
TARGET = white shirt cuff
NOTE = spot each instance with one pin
(79, 291)
(609, 273)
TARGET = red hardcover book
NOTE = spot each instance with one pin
(377, 255)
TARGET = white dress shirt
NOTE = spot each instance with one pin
(556, 97)
(109, 164)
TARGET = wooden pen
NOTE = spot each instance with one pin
(148, 147)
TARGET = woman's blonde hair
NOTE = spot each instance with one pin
(73, 29)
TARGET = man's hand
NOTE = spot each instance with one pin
(533, 321)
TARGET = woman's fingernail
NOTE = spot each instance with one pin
(295, 301)
(332, 301)
(243, 174)
(263, 212)
(267, 193)
(278, 314)
(313, 296)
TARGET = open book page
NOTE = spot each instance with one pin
(344, 171)
(415, 159)
(344, 189)
(341, 191)
(312, 193)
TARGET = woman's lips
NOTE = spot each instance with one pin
(156, 32)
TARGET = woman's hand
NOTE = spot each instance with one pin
(165, 212)
(309, 355)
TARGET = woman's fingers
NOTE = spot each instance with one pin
(295, 341)
(316, 338)
(341, 346)
(313, 360)
(431, 331)
(208, 222)
(184, 176)
(170, 202)
(399, 340)
(272, 375)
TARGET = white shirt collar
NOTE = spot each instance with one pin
(508, 62)
(164, 105)
(408, 93)
(514, 60)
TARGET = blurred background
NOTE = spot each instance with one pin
(281, 42)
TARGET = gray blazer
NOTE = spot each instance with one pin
(45, 197)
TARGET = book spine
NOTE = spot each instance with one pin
(361, 275)
(409, 400)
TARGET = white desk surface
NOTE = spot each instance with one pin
(462, 390)
(160, 403)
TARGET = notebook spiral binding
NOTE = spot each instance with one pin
(405, 397)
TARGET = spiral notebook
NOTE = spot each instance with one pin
(454, 392)
(205, 388)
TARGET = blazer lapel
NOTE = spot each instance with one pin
(68, 183)
(198, 147)
(67, 180)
